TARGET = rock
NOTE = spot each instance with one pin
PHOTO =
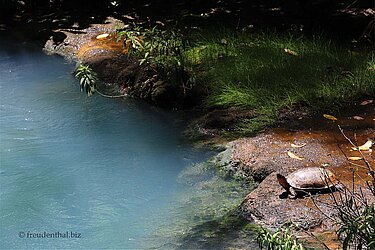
(264, 206)
(98, 47)
(263, 156)
(159, 89)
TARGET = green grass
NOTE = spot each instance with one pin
(265, 72)
(254, 71)
(282, 239)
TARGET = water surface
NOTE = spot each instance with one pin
(101, 168)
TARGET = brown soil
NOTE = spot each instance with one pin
(116, 70)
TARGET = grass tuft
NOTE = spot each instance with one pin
(269, 72)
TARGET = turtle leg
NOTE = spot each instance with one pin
(284, 183)
(292, 193)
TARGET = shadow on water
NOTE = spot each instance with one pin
(207, 215)
(229, 231)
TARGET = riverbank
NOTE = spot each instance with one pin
(258, 157)
(316, 142)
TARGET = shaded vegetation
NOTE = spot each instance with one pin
(269, 73)
(266, 72)
(159, 48)
(345, 18)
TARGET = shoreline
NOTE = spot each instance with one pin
(257, 158)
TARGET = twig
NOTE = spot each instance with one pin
(316, 238)
(351, 4)
(347, 158)
(371, 171)
(111, 96)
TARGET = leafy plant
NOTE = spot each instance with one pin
(152, 45)
(357, 225)
(282, 239)
(162, 49)
(132, 39)
(355, 211)
(356, 214)
(87, 79)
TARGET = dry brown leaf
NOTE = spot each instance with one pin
(291, 52)
(330, 117)
(355, 158)
(291, 155)
(102, 36)
(358, 118)
(364, 147)
(366, 102)
(298, 146)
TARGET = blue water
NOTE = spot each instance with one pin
(101, 171)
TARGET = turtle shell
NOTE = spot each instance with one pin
(312, 178)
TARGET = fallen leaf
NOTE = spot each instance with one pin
(224, 41)
(291, 52)
(358, 118)
(355, 158)
(365, 146)
(102, 36)
(330, 117)
(161, 23)
(366, 102)
(291, 155)
(128, 17)
(298, 146)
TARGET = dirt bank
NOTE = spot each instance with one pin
(119, 73)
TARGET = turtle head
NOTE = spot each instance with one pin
(283, 182)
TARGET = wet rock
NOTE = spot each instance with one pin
(159, 92)
(263, 156)
(264, 206)
(266, 153)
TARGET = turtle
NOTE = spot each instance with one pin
(308, 180)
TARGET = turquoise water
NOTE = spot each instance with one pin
(102, 172)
